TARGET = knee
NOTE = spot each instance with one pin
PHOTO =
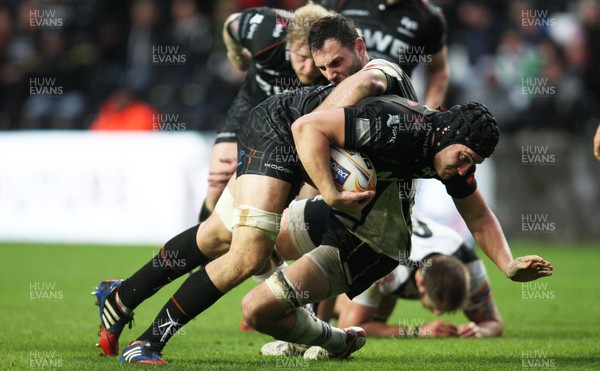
(251, 256)
(252, 310)
(213, 238)
(240, 265)
(252, 263)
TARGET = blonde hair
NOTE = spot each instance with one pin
(304, 17)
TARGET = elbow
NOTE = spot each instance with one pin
(371, 83)
(299, 128)
(492, 328)
(500, 328)
(230, 26)
(230, 19)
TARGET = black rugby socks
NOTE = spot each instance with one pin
(196, 294)
(178, 256)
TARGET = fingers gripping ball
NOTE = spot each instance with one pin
(352, 171)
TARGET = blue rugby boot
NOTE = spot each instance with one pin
(113, 317)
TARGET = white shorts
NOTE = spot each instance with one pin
(327, 258)
(298, 228)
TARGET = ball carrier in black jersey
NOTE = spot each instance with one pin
(249, 253)
(406, 32)
(256, 223)
(360, 246)
(271, 44)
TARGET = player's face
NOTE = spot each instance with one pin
(426, 300)
(337, 62)
(303, 64)
(455, 159)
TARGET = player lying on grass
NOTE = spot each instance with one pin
(435, 274)
(434, 280)
(252, 203)
(363, 243)
(442, 272)
(271, 44)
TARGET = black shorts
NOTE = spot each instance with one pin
(361, 265)
(265, 150)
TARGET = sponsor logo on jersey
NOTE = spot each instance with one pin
(408, 27)
(257, 19)
(362, 129)
(409, 24)
(392, 122)
(384, 43)
(279, 27)
(254, 22)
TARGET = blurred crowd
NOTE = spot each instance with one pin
(69, 64)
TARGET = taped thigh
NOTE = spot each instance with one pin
(263, 221)
(298, 228)
(327, 258)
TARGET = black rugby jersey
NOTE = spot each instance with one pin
(282, 110)
(407, 32)
(263, 32)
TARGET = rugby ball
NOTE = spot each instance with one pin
(352, 171)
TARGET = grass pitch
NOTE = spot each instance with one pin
(49, 320)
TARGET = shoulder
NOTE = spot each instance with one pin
(430, 237)
(263, 25)
(336, 5)
(383, 65)
(429, 10)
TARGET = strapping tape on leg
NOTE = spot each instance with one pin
(284, 291)
(264, 221)
(275, 263)
(224, 208)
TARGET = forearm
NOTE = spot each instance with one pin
(485, 228)
(488, 234)
(313, 150)
(490, 329)
(356, 87)
(230, 43)
(437, 86)
(438, 77)
(379, 329)
(236, 53)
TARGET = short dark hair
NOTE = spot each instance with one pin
(446, 281)
(335, 27)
